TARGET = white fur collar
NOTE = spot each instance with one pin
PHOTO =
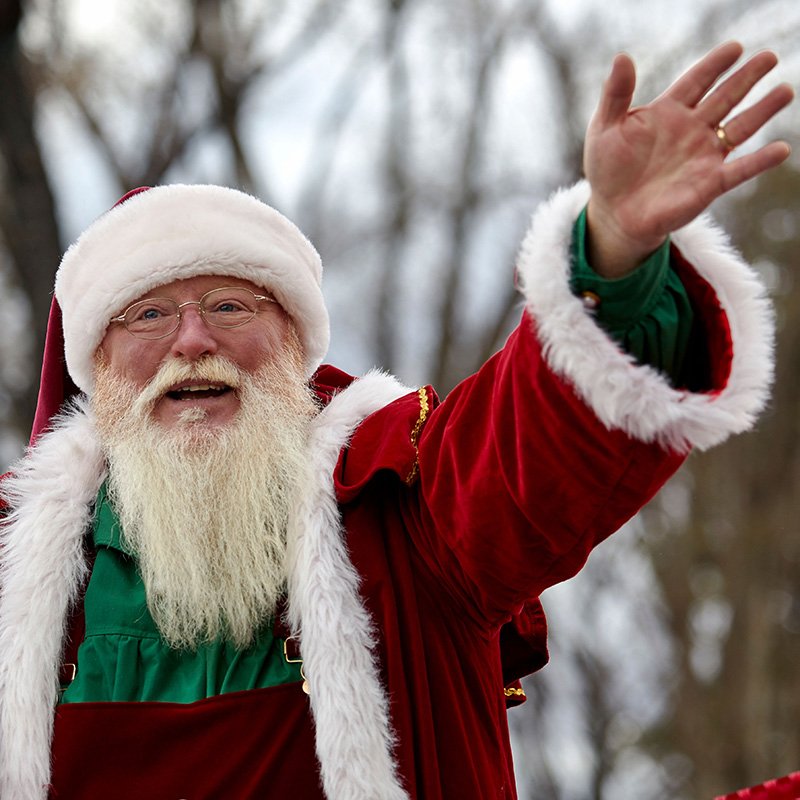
(43, 567)
(335, 630)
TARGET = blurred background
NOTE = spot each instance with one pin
(411, 140)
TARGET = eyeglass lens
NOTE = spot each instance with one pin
(159, 316)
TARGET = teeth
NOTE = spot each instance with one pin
(200, 387)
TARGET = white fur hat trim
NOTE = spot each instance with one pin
(171, 232)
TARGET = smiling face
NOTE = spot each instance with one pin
(249, 347)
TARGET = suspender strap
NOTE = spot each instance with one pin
(76, 631)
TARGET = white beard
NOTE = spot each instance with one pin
(205, 510)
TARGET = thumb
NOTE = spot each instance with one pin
(617, 94)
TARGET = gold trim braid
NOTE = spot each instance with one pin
(424, 409)
(514, 692)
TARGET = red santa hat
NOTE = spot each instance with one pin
(154, 236)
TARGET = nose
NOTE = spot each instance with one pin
(193, 338)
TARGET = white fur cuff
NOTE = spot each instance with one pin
(638, 399)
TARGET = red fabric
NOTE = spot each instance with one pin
(786, 788)
(253, 744)
(714, 336)
(523, 643)
(55, 385)
(131, 193)
(517, 482)
(383, 442)
(517, 496)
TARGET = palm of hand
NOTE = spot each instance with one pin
(659, 168)
(654, 168)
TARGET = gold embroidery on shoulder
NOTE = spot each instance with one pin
(514, 692)
(415, 432)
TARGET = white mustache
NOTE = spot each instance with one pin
(209, 369)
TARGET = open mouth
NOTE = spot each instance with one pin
(198, 391)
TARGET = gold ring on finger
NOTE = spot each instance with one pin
(723, 139)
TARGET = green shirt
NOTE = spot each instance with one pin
(123, 658)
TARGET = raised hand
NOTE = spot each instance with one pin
(654, 168)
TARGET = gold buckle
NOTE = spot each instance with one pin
(306, 688)
(64, 684)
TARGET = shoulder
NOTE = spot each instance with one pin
(385, 418)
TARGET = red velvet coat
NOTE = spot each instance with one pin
(442, 523)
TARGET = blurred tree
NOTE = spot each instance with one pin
(27, 217)
(732, 575)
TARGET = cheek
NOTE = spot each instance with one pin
(262, 344)
(141, 370)
(132, 359)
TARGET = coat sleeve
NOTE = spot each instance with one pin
(561, 437)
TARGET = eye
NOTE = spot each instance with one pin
(149, 311)
(228, 306)
(229, 302)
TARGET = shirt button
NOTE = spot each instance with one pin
(591, 300)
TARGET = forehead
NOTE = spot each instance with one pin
(194, 288)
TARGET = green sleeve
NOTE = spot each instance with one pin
(647, 312)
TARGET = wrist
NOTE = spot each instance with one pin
(611, 251)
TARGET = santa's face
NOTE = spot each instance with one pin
(249, 347)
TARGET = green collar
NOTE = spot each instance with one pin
(107, 529)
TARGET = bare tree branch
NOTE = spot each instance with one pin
(311, 203)
(27, 216)
(445, 369)
(397, 186)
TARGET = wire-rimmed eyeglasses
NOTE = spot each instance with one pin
(157, 317)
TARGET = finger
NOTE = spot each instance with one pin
(743, 169)
(692, 86)
(617, 95)
(739, 129)
(735, 88)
